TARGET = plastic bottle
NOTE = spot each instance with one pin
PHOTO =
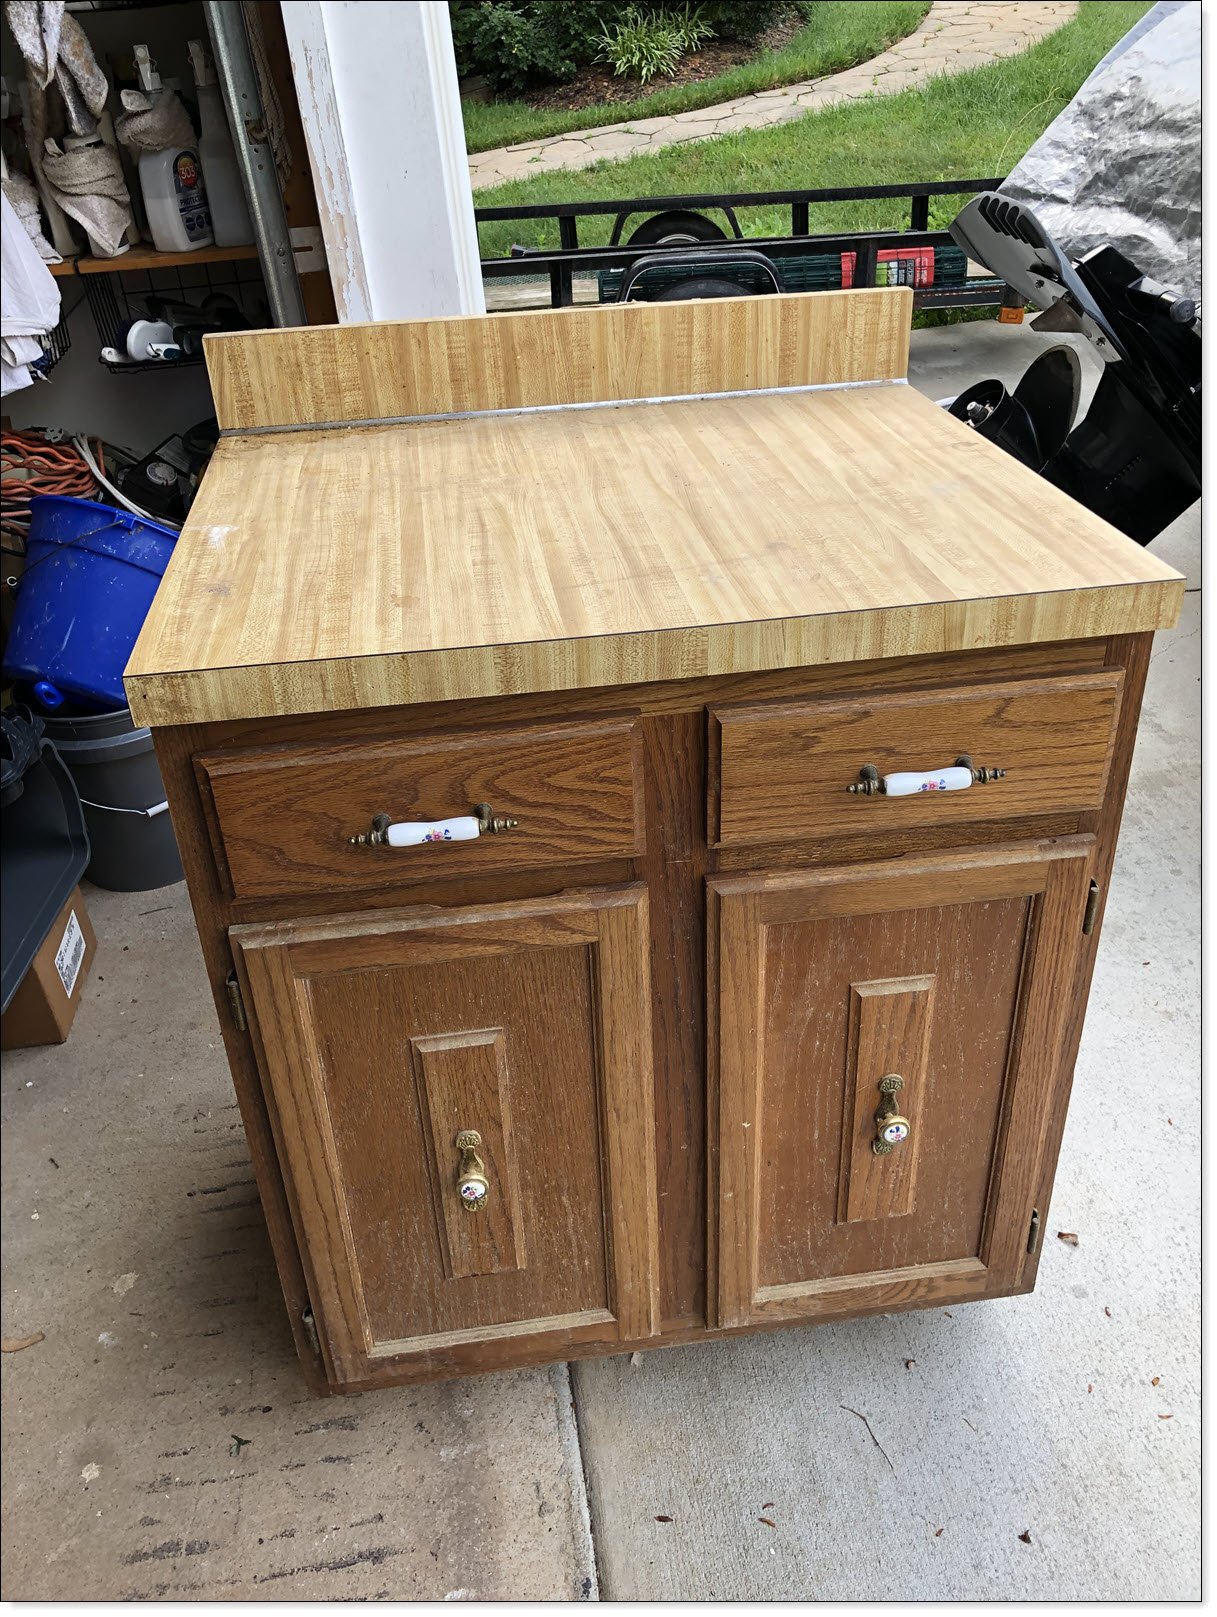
(172, 184)
(230, 220)
(152, 339)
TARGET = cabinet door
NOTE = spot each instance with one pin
(953, 974)
(383, 1037)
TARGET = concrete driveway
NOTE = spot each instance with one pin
(159, 1444)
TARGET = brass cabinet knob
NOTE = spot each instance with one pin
(891, 1125)
(472, 1185)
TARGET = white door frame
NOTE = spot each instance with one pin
(381, 110)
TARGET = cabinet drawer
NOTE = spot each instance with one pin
(783, 769)
(283, 816)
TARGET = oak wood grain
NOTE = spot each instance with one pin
(525, 553)
(575, 356)
(209, 901)
(811, 851)
(785, 768)
(953, 1280)
(285, 815)
(675, 763)
(464, 1083)
(733, 1048)
(1041, 1058)
(283, 1035)
(889, 1032)
(884, 884)
(555, 1333)
(999, 932)
(661, 698)
(675, 766)
(931, 1286)
(337, 1007)
(628, 1112)
(1133, 655)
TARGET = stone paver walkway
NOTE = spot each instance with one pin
(954, 35)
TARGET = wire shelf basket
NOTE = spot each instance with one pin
(54, 346)
(116, 300)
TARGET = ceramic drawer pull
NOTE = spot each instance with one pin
(472, 1185)
(389, 833)
(957, 778)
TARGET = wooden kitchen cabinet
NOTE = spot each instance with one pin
(612, 606)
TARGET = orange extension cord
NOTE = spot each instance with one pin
(29, 465)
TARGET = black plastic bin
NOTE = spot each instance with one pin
(45, 844)
(115, 770)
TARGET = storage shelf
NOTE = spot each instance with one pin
(147, 258)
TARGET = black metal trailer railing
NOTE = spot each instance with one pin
(562, 263)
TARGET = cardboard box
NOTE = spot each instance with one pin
(44, 1007)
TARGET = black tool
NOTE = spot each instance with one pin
(1135, 457)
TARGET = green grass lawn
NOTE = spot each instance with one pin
(971, 125)
(838, 34)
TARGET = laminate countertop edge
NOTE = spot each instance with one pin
(266, 690)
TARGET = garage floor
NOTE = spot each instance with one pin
(159, 1442)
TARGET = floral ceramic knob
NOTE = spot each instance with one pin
(892, 1128)
(472, 1185)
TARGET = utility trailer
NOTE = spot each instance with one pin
(712, 260)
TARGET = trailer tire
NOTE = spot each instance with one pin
(701, 286)
(676, 228)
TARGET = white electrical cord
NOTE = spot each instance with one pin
(130, 505)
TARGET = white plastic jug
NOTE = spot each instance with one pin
(230, 222)
(175, 197)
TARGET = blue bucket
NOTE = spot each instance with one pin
(90, 574)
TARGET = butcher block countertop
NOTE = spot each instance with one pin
(706, 489)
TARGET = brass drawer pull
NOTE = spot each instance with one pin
(389, 833)
(472, 1185)
(958, 778)
(891, 1125)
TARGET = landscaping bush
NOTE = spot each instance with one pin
(519, 43)
(640, 45)
(745, 19)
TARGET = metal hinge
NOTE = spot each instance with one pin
(310, 1330)
(1033, 1234)
(1092, 909)
(236, 1004)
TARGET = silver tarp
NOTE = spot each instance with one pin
(1121, 164)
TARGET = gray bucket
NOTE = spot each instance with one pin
(120, 787)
